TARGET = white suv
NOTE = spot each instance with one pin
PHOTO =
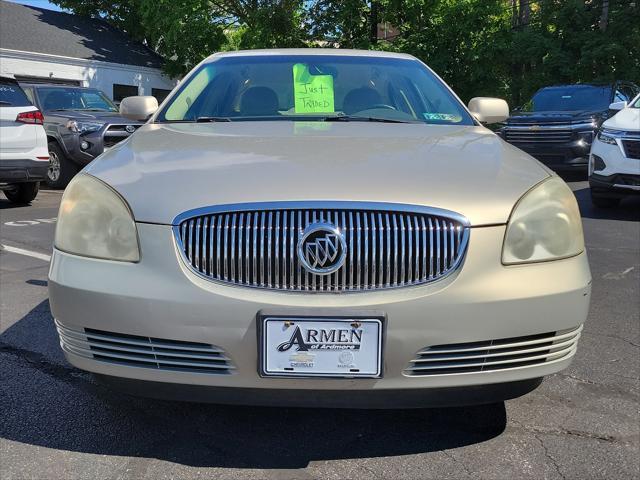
(614, 163)
(24, 156)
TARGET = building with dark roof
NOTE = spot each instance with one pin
(39, 45)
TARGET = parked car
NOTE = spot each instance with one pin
(614, 166)
(319, 228)
(24, 158)
(80, 124)
(558, 124)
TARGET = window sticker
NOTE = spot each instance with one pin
(443, 117)
(312, 93)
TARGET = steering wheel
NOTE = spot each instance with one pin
(382, 106)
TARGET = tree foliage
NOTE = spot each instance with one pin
(503, 48)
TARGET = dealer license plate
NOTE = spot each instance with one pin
(307, 347)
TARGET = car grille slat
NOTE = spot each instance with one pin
(146, 352)
(494, 355)
(386, 248)
(632, 148)
(543, 135)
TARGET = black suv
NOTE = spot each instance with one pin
(80, 123)
(558, 124)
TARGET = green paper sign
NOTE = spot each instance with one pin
(312, 93)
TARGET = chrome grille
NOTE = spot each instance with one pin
(115, 134)
(146, 352)
(494, 355)
(543, 135)
(387, 245)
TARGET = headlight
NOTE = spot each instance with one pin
(83, 127)
(545, 225)
(94, 221)
(586, 137)
(604, 138)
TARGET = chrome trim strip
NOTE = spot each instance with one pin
(262, 227)
(233, 246)
(541, 126)
(628, 187)
(321, 205)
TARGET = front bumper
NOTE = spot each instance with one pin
(97, 142)
(159, 297)
(25, 170)
(617, 185)
(611, 172)
(380, 398)
(570, 154)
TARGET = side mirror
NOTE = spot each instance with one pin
(138, 108)
(617, 106)
(489, 110)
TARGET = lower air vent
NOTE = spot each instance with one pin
(145, 352)
(491, 355)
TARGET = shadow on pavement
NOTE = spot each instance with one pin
(5, 204)
(573, 175)
(629, 208)
(48, 403)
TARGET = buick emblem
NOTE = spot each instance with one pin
(322, 248)
(130, 128)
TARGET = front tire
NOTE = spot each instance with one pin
(61, 169)
(604, 202)
(23, 193)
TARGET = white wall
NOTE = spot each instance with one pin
(91, 73)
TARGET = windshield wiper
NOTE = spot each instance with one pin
(212, 119)
(356, 118)
(4, 102)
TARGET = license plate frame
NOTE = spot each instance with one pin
(265, 323)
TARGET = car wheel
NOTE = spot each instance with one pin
(61, 169)
(604, 202)
(23, 193)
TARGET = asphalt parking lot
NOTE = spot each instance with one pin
(58, 423)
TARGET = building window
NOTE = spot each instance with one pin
(160, 94)
(123, 91)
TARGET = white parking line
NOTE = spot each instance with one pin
(25, 223)
(27, 253)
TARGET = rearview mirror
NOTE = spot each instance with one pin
(489, 110)
(617, 106)
(138, 108)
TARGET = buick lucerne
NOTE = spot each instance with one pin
(318, 228)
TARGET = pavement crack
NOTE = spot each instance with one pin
(41, 363)
(612, 336)
(566, 431)
(457, 462)
(549, 456)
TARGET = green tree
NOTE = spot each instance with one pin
(340, 23)
(506, 48)
(464, 41)
(184, 32)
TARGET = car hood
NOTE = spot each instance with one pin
(625, 119)
(106, 117)
(166, 169)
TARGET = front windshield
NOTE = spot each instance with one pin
(314, 88)
(74, 99)
(570, 98)
(637, 102)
